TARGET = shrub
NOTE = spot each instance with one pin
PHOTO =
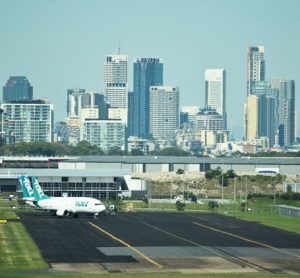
(212, 205)
(180, 206)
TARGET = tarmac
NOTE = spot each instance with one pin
(162, 242)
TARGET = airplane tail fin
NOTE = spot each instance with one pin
(38, 191)
(26, 187)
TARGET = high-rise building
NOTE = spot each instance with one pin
(115, 81)
(255, 66)
(28, 121)
(215, 91)
(286, 110)
(209, 119)
(252, 117)
(17, 88)
(267, 110)
(146, 72)
(105, 134)
(164, 111)
(131, 113)
(74, 102)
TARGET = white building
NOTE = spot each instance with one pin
(144, 145)
(74, 102)
(27, 121)
(115, 81)
(89, 113)
(73, 129)
(215, 91)
(164, 111)
(105, 134)
(118, 113)
(210, 120)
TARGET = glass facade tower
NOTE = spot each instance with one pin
(17, 88)
(146, 72)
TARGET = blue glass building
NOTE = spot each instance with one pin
(146, 72)
(17, 88)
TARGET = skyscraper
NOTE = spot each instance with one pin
(17, 88)
(115, 81)
(74, 101)
(164, 111)
(255, 66)
(252, 117)
(146, 72)
(215, 91)
(286, 110)
(130, 113)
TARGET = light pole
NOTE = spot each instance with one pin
(274, 191)
(149, 199)
(222, 181)
(234, 190)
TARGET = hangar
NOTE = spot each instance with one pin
(145, 164)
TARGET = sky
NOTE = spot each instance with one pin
(62, 44)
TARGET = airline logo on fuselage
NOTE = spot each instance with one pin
(81, 204)
(38, 189)
(28, 186)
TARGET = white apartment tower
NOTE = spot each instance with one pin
(215, 91)
(115, 81)
(27, 121)
(164, 111)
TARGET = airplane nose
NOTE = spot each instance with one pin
(101, 208)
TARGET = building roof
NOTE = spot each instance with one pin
(13, 173)
(186, 160)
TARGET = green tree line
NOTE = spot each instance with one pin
(82, 148)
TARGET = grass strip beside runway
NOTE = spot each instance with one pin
(287, 223)
(148, 275)
(17, 249)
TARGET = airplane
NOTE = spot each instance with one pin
(62, 206)
(28, 194)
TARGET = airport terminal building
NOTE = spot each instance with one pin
(95, 183)
(105, 177)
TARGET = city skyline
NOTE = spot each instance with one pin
(70, 51)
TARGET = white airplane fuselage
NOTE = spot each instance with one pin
(63, 205)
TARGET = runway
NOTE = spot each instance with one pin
(180, 242)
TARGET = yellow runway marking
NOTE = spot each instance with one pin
(246, 239)
(127, 245)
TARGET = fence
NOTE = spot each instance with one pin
(288, 210)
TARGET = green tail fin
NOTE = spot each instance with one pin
(26, 187)
(38, 191)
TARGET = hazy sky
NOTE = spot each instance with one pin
(61, 44)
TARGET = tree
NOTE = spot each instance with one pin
(115, 151)
(85, 148)
(223, 180)
(209, 174)
(180, 205)
(173, 151)
(136, 152)
(212, 205)
(230, 174)
(180, 172)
